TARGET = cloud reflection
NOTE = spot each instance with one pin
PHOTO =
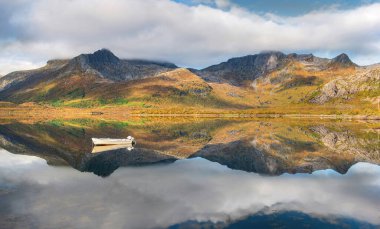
(195, 189)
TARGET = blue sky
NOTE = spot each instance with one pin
(189, 33)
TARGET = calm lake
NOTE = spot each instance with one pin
(190, 173)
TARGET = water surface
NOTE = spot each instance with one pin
(204, 173)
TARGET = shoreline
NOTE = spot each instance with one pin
(232, 115)
(67, 113)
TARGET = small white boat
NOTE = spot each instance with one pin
(113, 141)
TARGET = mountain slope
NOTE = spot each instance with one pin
(74, 78)
(268, 82)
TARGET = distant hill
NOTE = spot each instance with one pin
(268, 80)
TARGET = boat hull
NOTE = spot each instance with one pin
(113, 141)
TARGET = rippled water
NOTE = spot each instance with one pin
(191, 174)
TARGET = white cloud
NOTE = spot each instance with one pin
(189, 36)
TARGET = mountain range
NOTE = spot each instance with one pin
(268, 81)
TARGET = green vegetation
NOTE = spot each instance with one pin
(314, 94)
(83, 104)
(76, 93)
(87, 103)
(117, 125)
(114, 101)
(182, 92)
(93, 123)
(210, 101)
(55, 122)
(298, 81)
(57, 103)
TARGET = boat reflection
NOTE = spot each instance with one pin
(105, 148)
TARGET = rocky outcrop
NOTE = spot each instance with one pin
(367, 80)
(237, 70)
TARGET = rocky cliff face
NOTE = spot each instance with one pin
(366, 81)
(239, 69)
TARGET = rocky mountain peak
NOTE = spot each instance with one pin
(342, 60)
(105, 64)
(103, 56)
(96, 60)
(239, 69)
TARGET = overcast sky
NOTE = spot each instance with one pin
(190, 33)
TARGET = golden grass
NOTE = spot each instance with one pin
(181, 92)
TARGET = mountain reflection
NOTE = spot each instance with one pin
(271, 147)
(193, 190)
